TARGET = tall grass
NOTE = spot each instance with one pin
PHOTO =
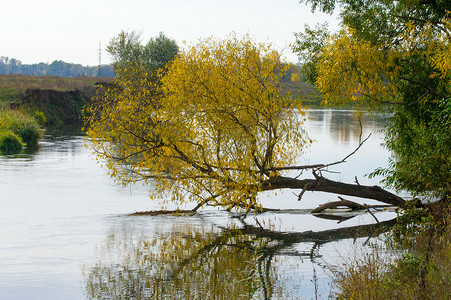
(10, 142)
(13, 87)
(22, 82)
(422, 272)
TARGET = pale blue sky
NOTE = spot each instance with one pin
(70, 30)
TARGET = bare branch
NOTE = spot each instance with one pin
(368, 210)
(424, 84)
(323, 166)
(356, 181)
(343, 202)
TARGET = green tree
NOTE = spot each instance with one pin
(126, 49)
(160, 50)
(393, 54)
(103, 71)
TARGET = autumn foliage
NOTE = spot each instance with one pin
(212, 129)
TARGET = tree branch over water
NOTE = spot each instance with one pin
(218, 131)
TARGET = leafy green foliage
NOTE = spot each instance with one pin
(22, 125)
(29, 133)
(159, 51)
(422, 147)
(10, 143)
(126, 49)
(308, 46)
(395, 53)
(40, 117)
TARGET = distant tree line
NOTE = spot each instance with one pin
(57, 68)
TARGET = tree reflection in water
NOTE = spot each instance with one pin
(193, 262)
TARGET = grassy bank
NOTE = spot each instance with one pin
(423, 271)
(13, 87)
(61, 99)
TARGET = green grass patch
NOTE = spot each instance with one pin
(20, 124)
(8, 95)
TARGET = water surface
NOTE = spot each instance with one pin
(65, 233)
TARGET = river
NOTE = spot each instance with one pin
(65, 232)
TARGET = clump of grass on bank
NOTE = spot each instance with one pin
(10, 142)
(17, 128)
(422, 272)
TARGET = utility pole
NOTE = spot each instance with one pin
(100, 54)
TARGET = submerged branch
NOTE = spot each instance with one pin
(351, 204)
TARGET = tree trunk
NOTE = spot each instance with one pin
(322, 184)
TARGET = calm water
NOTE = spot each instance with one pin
(65, 233)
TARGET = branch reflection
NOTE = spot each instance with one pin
(195, 262)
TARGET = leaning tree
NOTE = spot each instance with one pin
(214, 129)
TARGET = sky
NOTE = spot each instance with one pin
(34, 31)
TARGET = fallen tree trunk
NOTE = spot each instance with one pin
(351, 204)
(322, 184)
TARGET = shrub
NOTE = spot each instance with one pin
(22, 125)
(40, 117)
(30, 134)
(10, 143)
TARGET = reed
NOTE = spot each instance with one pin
(423, 271)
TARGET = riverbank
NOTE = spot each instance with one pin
(61, 99)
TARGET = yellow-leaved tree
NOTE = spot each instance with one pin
(213, 128)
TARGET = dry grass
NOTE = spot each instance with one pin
(12, 87)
